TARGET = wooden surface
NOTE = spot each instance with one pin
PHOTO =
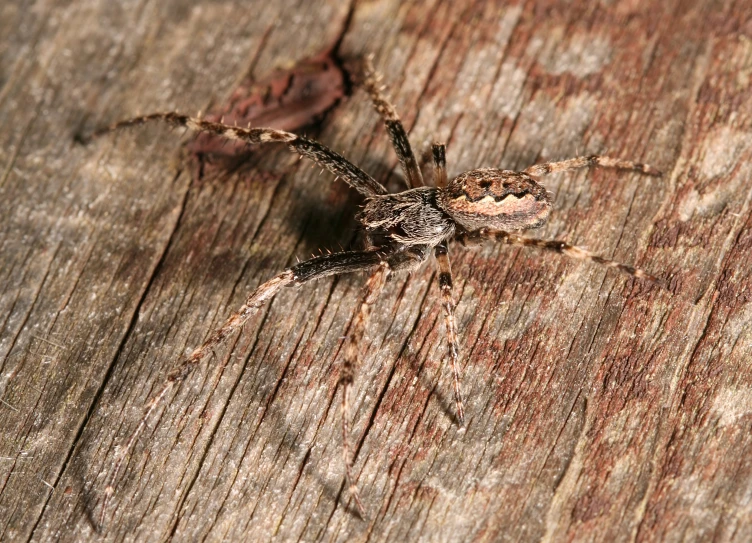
(598, 408)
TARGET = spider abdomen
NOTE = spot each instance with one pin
(497, 199)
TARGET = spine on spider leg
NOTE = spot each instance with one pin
(337, 263)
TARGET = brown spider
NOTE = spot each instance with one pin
(402, 230)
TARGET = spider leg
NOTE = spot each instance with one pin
(315, 268)
(445, 285)
(347, 372)
(447, 302)
(259, 296)
(587, 161)
(372, 84)
(439, 165)
(321, 155)
(558, 247)
(397, 260)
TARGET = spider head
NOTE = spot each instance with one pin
(496, 199)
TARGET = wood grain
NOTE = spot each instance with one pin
(598, 408)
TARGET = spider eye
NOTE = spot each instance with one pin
(497, 199)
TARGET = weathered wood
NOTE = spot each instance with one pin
(598, 407)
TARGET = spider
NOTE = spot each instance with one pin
(402, 230)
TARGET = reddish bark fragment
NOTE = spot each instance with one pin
(288, 100)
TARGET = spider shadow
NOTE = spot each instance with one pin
(275, 417)
(313, 466)
(432, 382)
(89, 504)
(316, 226)
(323, 218)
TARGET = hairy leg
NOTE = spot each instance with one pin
(447, 303)
(372, 84)
(445, 285)
(588, 161)
(260, 296)
(315, 268)
(558, 247)
(321, 155)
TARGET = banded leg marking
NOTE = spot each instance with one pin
(377, 92)
(321, 155)
(587, 161)
(561, 248)
(448, 305)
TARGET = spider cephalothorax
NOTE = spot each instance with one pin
(402, 230)
(411, 217)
